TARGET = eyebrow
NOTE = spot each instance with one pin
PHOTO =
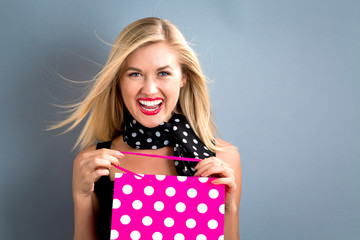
(139, 70)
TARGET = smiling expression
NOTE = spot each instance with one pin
(150, 83)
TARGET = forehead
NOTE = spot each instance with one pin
(153, 55)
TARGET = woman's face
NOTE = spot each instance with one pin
(151, 82)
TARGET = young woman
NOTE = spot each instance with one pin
(150, 97)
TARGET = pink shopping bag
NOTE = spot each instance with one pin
(167, 207)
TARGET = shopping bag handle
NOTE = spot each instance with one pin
(154, 156)
(166, 157)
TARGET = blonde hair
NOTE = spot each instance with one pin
(104, 105)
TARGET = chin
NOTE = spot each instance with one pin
(151, 122)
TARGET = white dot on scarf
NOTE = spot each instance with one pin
(206, 148)
(187, 125)
(174, 128)
(176, 163)
(134, 121)
(157, 134)
(166, 142)
(206, 154)
(154, 147)
(141, 131)
(184, 140)
(185, 133)
(137, 143)
(133, 134)
(194, 148)
(149, 140)
(177, 120)
(196, 154)
(221, 237)
(195, 141)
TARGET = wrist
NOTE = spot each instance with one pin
(80, 198)
(231, 207)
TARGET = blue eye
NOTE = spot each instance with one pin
(164, 74)
(135, 74)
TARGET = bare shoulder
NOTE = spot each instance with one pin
(83, 153)
(229, 153)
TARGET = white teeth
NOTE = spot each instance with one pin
(150, 103)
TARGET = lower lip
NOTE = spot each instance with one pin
(150, 112)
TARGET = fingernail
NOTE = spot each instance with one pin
(120, 154)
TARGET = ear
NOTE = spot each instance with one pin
(183, 80)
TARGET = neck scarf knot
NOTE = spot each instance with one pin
(176, 133)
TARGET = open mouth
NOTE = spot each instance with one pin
(150, 106)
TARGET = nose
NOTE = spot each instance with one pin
(149, 87)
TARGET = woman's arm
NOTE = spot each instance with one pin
(226, 165)
(89, 166)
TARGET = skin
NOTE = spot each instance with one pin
(151, 71)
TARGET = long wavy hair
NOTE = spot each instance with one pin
(104, 105)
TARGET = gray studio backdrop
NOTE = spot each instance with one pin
(285, 90)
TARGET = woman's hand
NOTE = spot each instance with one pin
(215, 167)
(89, 166)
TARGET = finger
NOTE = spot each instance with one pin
(212, 164)
(226, 181)
(219, 170)
(105, 161)
(106, 156)
(209, 161)
(95, 175)
(203, 168)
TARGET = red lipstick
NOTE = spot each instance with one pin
(150, 106)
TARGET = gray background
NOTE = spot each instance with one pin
(285, 90)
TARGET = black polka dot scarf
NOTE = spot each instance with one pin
(177, 133)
